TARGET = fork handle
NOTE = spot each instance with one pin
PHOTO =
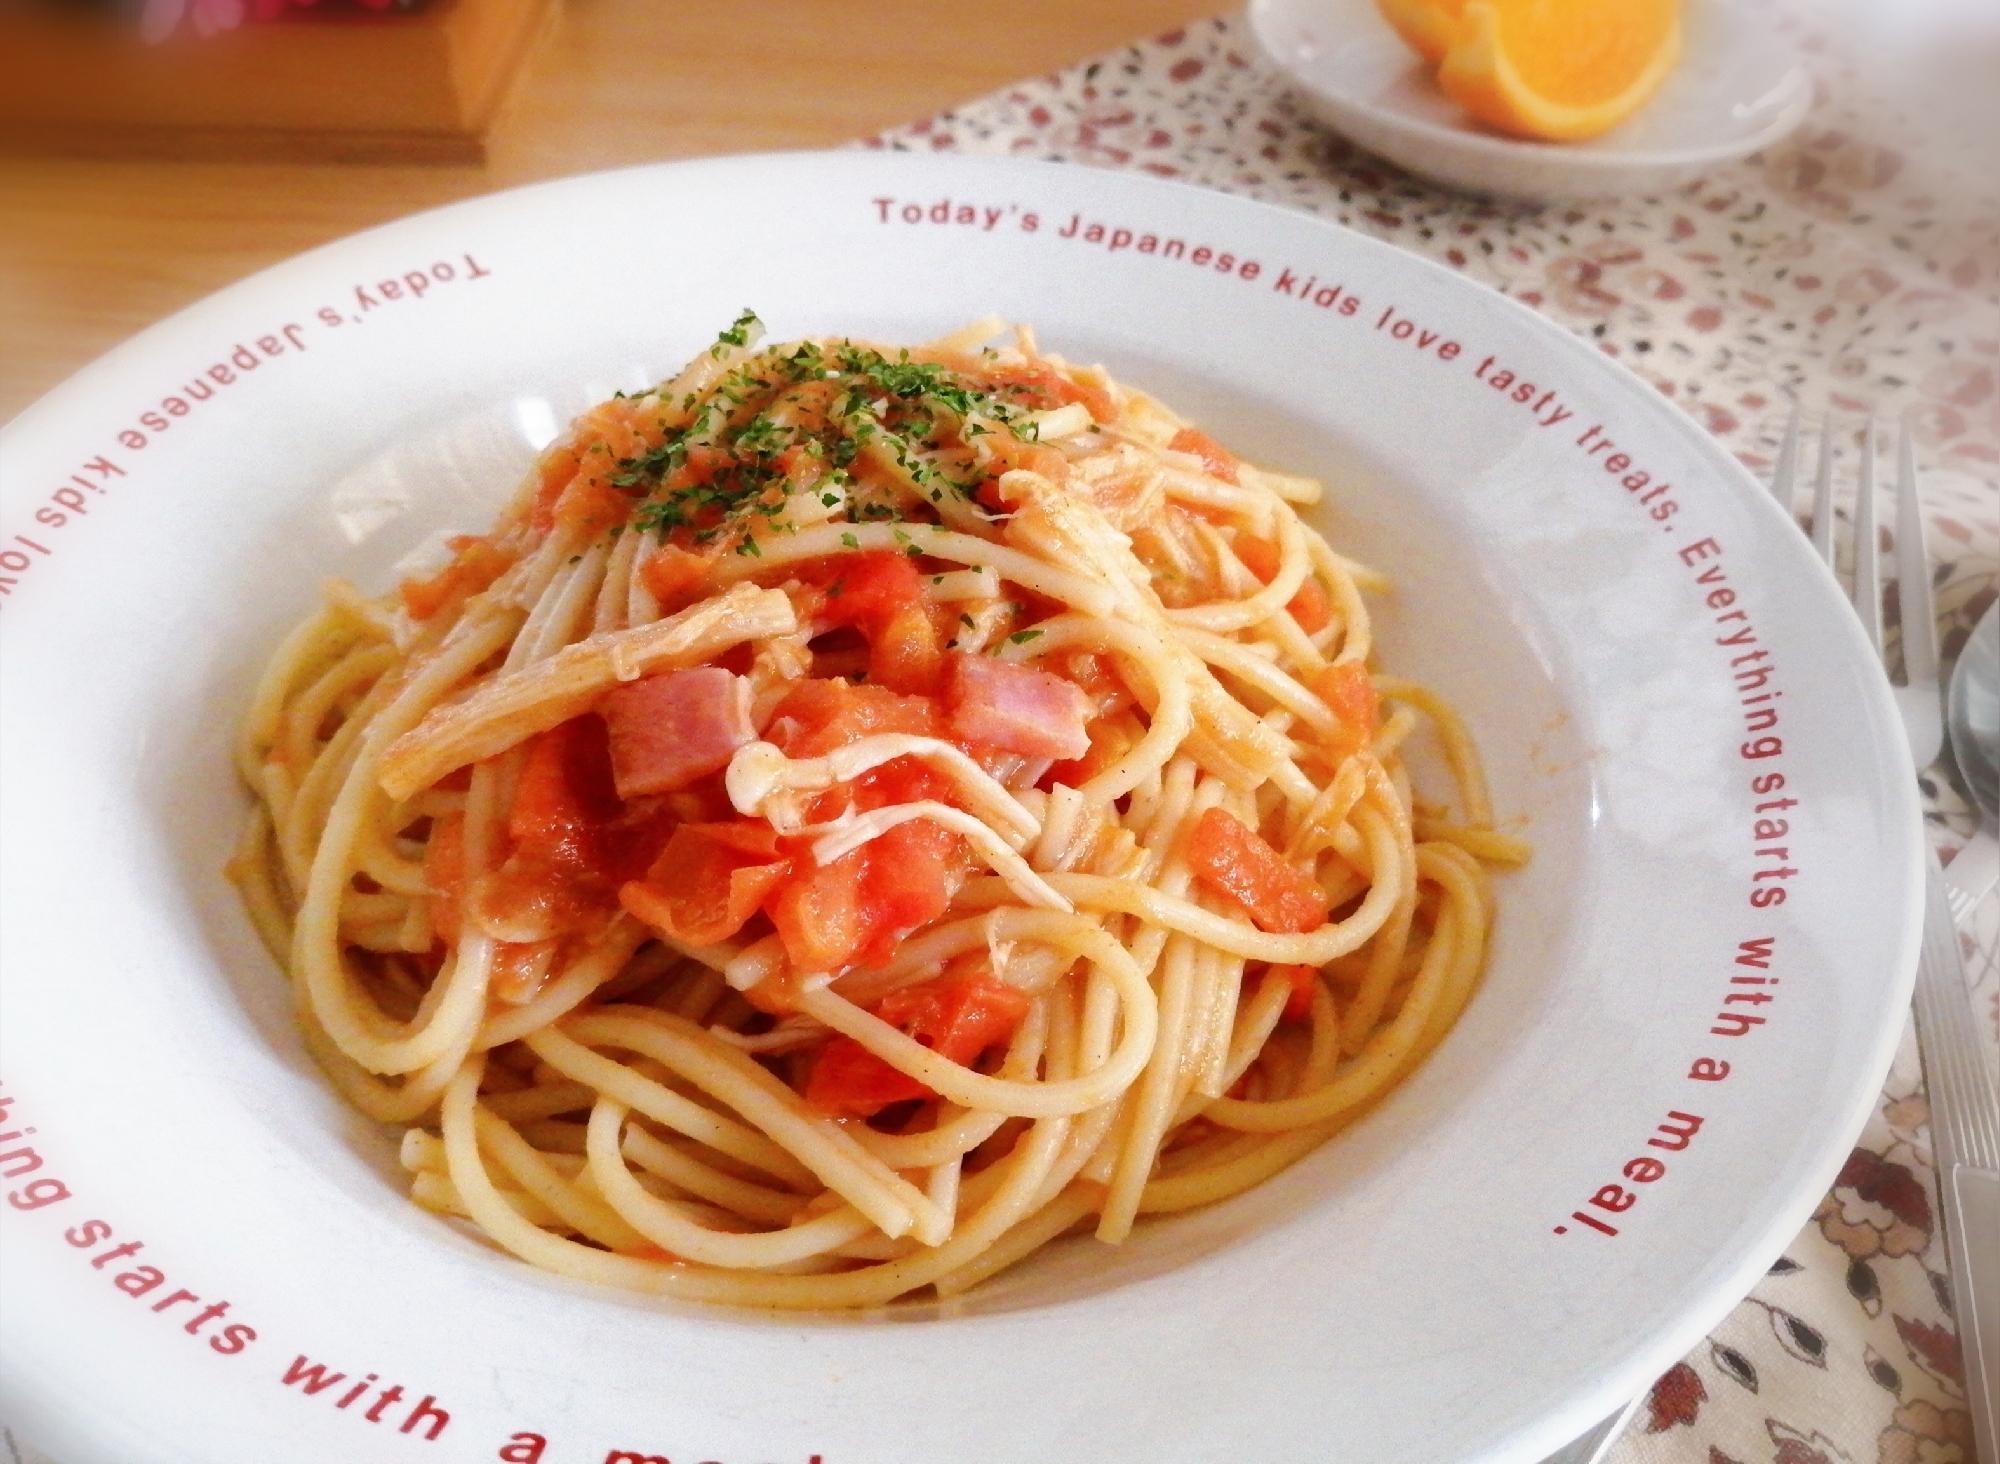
(1972, 1241)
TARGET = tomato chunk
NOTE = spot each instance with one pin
(1219, 460)
(575, 481)
(1349, 693)
(913, 871)
(1310, 606)
(862, 905)
(572, 840)
(708, 881)
(519, 971)
(821, 915)
(849, 1079)
(1298, 1004)
(881, 594)
(905, 653)
(590, 505)
(565, 788)
(956, 1016)
(670, 572)
(1259, 556)
(559, 465)
(901, 780)
(1040, 387)
(1110, 739)
(869, 589)
(860, 908)
(821, 714)
(1231, 859)
(444, 873)
(477, 563)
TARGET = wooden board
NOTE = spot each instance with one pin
(318, 86)
(93, 250)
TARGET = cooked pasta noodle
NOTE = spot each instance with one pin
(858, 817)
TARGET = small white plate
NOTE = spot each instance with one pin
(1738, 88)
(1599, 588)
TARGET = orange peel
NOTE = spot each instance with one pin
(1426, 25)
(1559, 70)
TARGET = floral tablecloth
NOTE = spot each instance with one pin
(1843, 269)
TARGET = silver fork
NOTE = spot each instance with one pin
(1965, 1113)
(1917, 699)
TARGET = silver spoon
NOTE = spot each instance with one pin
(1972, 716)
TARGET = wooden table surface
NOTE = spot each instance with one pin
(92, 251)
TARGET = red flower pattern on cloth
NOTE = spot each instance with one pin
(1675, 1399)
(1936, 1347)
(1834, 270)
(1923, 1433)
(1875, 1208)
(1795, 1447)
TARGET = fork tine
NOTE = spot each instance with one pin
(1822, 530)
(1785, 475)
(1867, 547)
(1913, 574)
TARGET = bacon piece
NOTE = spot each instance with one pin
(667, 731)
(511, 706)
(1017, 709)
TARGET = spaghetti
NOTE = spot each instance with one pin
(857, 817)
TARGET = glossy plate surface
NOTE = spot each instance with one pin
(1737, 88)
(1607, 596)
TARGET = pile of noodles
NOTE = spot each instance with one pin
(609, 1100)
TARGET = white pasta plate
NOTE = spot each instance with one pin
(1660, 1076)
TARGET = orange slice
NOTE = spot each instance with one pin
(1559, 69)
(1425, 24)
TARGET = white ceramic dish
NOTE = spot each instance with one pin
(1429, 1286)
(1738, 88)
